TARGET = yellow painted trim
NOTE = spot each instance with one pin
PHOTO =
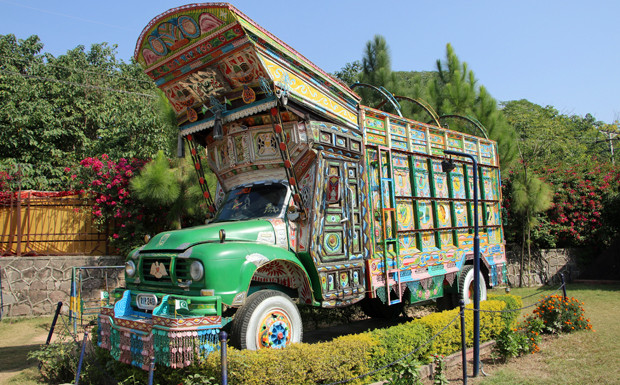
(307, 91)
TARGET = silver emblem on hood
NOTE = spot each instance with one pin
(158, 270)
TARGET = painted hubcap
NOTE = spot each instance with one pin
(274, 330)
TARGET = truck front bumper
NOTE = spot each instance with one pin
(171, 339)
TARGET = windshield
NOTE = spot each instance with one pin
(252, 202)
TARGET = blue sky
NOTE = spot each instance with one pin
(551, 52)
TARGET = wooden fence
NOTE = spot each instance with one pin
(48, 223)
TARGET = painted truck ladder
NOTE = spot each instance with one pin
(387, 202)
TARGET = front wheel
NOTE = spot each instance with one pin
(269, 319)
(466, 285)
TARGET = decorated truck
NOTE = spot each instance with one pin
(320, 201)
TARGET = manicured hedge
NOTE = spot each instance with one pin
(449, 341)
(512, 303)
(350, 356)
(321, 363)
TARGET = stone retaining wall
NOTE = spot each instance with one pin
(33, 286)
(546, 266)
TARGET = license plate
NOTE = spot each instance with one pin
(146, 301)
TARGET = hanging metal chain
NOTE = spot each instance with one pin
(276, 121)
(200, 172)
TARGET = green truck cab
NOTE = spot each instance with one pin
(320, 201)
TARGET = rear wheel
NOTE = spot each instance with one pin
(269, 319)
(466, 285)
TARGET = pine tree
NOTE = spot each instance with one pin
(454, 91)
(531, 196)
(171, 184)
(377, 71)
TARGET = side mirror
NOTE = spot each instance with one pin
(292, 213)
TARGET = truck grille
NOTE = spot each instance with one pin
(160, 269)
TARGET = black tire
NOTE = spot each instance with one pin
(466, 284)
(375, 308)
(269, 319)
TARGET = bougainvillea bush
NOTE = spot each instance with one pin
(585, 210)
(106, 181)
(128, 213)
(582, 195)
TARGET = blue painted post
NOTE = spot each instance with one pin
(223, 338)
(476, 261)
(79, 368)
(476, 274)
(49, 335)
(151, 370)
(73, 301)
(463, 341)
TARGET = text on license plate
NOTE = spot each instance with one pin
(146, 301)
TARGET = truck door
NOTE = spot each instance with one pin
(339, 237)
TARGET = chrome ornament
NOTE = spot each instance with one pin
(158, 270)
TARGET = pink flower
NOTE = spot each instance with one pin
(115, 236)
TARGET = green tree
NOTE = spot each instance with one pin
(571, 155)
(531, 196)
(377, 71)
(454, 91)
(59, 110)
(350, 73)
(546, 137)
(171, 184)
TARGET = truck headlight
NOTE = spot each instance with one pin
(130, 268)
(196, 270)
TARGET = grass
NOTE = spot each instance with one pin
(18, 337)
(579, 358)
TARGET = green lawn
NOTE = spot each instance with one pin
(17, 338)
(579, 358)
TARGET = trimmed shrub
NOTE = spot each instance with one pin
(343, 358)
(512, 303)
(349, 356)
(449, 341)
(396, 342)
